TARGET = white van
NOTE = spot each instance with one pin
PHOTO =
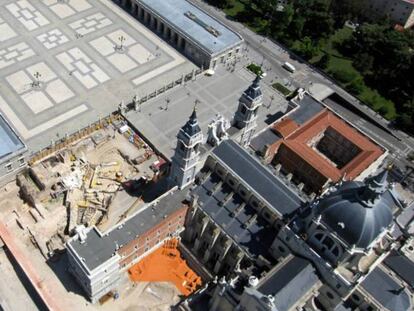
(289, 67)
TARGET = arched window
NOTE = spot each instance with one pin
(326, 246)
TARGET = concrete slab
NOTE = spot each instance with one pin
(37, 101)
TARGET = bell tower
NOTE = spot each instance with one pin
(246, 114)
(187, 154)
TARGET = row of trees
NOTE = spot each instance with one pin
(383, 56)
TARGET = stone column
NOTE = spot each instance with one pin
(196, 246)
(139, 12)
(180, 40)
(159, 23)
(146, 17)
(197, 242)
(134, 8)
(219, 262)
(215, 235)
(239, 258)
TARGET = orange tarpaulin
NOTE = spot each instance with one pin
(166, 265)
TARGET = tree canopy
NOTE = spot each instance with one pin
(381, 58)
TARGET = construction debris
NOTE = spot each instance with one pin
(85, 184)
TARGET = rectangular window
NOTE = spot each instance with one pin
(21, 161)
(9, 167)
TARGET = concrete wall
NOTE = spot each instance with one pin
(11, 165)
(98, 282)
(141, 246)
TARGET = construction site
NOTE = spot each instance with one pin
(95, 180)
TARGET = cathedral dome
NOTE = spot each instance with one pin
(358, 212)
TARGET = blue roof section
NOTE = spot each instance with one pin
(9, 141)
(308, 108)
(174, 11)
(290, 283)
(401, 265)
(284, 200)
(386, 291)
(264, 139)
(255, 236)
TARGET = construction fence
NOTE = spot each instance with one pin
(78, 135)
(115, 116)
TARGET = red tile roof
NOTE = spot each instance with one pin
(297, 142)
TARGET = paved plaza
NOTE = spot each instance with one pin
(63, 64)
(160, 119)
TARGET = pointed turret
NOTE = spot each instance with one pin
(379, 183)
(191, 127)
(375, 187)
(254, 91)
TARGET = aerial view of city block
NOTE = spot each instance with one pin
(207, 155)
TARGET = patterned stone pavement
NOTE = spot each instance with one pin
(62, 64)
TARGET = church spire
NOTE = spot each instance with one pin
(246, 114)
(185, 161)
(191, 128)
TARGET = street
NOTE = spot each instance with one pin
(272, 55)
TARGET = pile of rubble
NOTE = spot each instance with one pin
(83, 180)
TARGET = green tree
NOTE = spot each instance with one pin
(344, 10)
(307, 48)
(324, 61)
(318, 18)
(356, 86)
(221, 3)
(281, 21)
(364, 63)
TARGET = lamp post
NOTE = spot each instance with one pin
(36, 82)
(167, 101)
(120, 46)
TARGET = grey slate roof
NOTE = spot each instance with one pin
(9, 141)
(406, 216)
(290, 283)
(173, 11)
(258, 178)
(265, 138)
(98, 248)
(386, 291)
(356, 223)
(402, 266)
(256, 238)
(308, 108)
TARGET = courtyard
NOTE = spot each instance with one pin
(64, 64)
